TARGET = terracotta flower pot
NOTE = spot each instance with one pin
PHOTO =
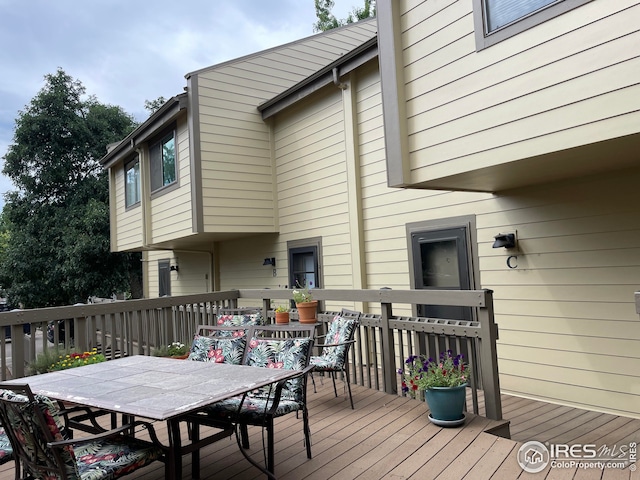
(307, 311)
(282, 317)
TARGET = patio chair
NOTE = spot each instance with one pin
(41, 450)
(335, 350)
(6, 450)
(288, 348)
(218, 344)
(237, 317)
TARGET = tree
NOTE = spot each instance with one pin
(152, 106)
(56, 222)
(327, 21)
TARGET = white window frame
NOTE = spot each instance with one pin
(485, 39)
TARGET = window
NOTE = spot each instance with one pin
(304, 263)
(132, 182)
(163, 162)
(441, 257)
(497, 20)
(164, 278)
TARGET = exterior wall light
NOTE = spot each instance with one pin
(269, 261)
(506, 240)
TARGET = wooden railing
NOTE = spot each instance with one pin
(384, 339)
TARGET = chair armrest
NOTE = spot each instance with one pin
(280, 385)
(322, 345)
(110, 433)
(85, 413)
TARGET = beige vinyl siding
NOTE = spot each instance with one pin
(567, 82)
(236, 159)
(312, 181)
(568, 328)
(194, 274)
(128, 229)
(150, 271)
(170, 211)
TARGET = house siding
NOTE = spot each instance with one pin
(567, 82)
(128, 229)
(171, 211)
(569, 333)
(237, 166)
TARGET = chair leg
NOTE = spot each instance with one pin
(271, 460)
(244, 434)
(314, 383)
(348, 382)
(307, 431)
(333, 378)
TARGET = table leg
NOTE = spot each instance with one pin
(175, 450)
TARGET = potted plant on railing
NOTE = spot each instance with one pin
(282, 314)
(443, 382)
(174, 350)
(305, 304)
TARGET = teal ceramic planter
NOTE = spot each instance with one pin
(446, 403)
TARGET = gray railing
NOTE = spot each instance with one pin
(383, 341)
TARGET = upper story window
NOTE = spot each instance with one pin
(162, 155)
(497, 20)
(132, 182)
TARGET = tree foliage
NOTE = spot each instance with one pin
(327, 21)
(56, 222)
(152, 106)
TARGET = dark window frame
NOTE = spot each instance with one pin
(128, 166)
(164, 278)
(485, 39)
(306, 246)
(157, 163)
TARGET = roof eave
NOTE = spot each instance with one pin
(166, 114)
(325, 76)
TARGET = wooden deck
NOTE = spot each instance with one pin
(389, 437)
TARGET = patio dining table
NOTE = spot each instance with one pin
(156, 388)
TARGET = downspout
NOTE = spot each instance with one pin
(336, 79)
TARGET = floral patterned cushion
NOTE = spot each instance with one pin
(6, 451)
(220, 350)
(26, 427)
(291, 354)
(240, 320)
(333, 358)
(113, 458)
(100, 460)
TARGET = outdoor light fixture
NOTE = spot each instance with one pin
(269, 261)
(506, 240)
(174, 268)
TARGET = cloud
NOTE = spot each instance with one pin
(125, 52)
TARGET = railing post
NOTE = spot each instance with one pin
(388, 349)
(489, 359)
(18, 356)
(266, 305)
(80, 332)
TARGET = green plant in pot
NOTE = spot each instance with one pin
(175, 350)
(282, 314)
(443, 382)
(305, 304)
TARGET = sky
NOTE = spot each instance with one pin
(127, 51)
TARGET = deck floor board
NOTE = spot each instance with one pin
(389, 437)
